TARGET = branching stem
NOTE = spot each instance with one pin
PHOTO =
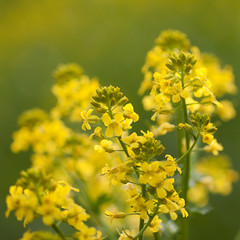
(58, 231)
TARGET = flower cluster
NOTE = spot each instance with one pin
(141, 166)
(117, 168)
(174, 70)
(213, 174)
(37, 195)
(184, 88)
(64, 154)
(73, 91)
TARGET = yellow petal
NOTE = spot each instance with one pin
(109, 132)
(173, 216)
(118, 131)
(184, 94)
(118, 117)
(106, 119)
(176, 98)
(161, 192)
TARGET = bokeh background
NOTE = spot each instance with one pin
(110, 39)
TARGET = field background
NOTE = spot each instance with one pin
(110, 39)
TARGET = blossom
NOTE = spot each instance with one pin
(155, 224)
(127, 235)
(207, 138)
(129, 112)
(162, 185)
(88, 118)
(105, 145)
(114, 214)
(149, 172)
(113, 125)
(143, 207)
(214, 147)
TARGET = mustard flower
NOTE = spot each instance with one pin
(113, 125)
(155, 224)
(88, 118)
(114, 214)
(105, 145)
(162, 185)
(127, 235)
(129, 112)
(214, 147)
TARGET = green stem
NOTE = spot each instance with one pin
(179, 132)
(58, 231)
(147, 224)
(141, 222)
(186, 172)
(186, 167)
(123, 146)
(189, 150)
(156, 236)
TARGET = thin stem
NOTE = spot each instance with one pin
(156, 236)
(186, 168)
(179, 133)
(141, 222)
(186, 173)
(148, 223)
(189, 150)
(58, 231)
(123, 146)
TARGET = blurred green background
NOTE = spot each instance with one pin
(110, 39)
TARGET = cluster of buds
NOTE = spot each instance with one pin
(34, 180)
(200, 124)
(32, 117)
(143, 148)
(37, 195)
(170, 40)
(181, 63)
(65, 73)
(107, 97)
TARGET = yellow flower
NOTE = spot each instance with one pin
(162, 185)
(129, 112)
(86, 116)
(87, 233)
(143, 206)
(214, 147)
(170, 166)
(113, 125)
(75, 215)
(207, 138)
(172, 205)
(97, 132)
(149, 172)
(43, 235)
(105, 145)
(217, 174)
(48, 210)
(134, 140)
(114, 214)
(118, 174)
(23, 202)
(127, 235)
(148, 134)
(164, 128)
(126, 124)
(227, 112)
(21, 140)
(155, 224)
(198, 194)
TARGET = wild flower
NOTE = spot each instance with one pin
(114, 168)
